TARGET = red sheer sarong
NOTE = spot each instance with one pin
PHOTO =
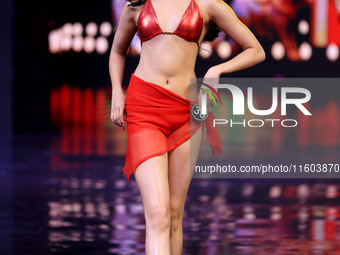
(158, 120)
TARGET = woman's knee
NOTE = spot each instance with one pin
(158, 218)
(176, 218)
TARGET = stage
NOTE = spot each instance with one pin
(58, 200)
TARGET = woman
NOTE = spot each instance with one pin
(157, 102)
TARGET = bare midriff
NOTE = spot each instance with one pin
(168, 61)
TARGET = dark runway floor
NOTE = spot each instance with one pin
(54, 202)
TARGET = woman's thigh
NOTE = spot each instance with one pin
(181, 165)
(152, 180)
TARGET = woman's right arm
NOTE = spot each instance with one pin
(125, 31)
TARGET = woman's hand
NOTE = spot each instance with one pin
(211, 79)
(118, 114)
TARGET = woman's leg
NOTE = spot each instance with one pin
(152, 180)
(179, 180)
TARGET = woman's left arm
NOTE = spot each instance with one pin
(252, 52)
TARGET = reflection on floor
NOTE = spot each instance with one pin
(55, 202)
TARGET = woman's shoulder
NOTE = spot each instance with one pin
(210, 4)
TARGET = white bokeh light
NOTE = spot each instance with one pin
(303, 27)
(68, 29)
(305, 51)
(224, 49)
(91, 29)
(275, 192)
(205, 50)
(276, 213)
(332, 52)
(102, 45)
(77, 43)
(89, 44)
(331, 191)
(54, 41)
(278, 51)
(77, 28)
(66, 43)
(105, 28)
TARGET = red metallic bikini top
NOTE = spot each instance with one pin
(189, 28)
